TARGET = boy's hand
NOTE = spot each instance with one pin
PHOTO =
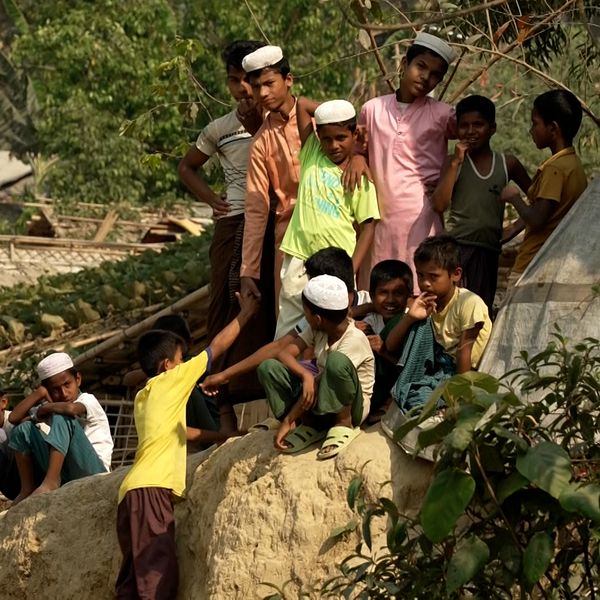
(283, 430)
(460, 150)
(509, 194)
(308, 392)
(376, 343)
(248, 304)
(423, 306)
(249, 115)
(210, 385)
(42, 394)
(353, 173)
(362, 326)
(248, 287)
(220, 205)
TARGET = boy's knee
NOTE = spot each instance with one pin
(338, 365)
(20, 436)
(265, 370)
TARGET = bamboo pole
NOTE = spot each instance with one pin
(135, 330)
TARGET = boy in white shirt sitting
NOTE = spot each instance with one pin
(59, 431)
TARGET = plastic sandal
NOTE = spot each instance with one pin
(302, 437)
(269, 424)
(338, 437)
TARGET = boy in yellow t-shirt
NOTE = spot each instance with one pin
(445, 330)
(325, 214)
(145, 519)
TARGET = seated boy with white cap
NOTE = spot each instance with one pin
(325, 214)
(61, 434)
(330, 396)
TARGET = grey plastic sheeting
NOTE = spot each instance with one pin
(556, 288)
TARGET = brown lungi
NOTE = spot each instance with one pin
(225, 259)
(146, 532)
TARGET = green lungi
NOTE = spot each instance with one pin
(337, 387)
(67, 436)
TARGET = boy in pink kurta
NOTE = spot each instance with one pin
(407, 135)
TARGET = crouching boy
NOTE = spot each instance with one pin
(145, 519)
(445, 330)
(60, 434)
(330, 396)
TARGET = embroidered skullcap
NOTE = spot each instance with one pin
(53, 365)
(327, 291)
(439, 46)
(267, 56)
(334, 111)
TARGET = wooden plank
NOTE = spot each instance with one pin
(106, 225)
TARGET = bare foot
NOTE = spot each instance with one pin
(21, 496)
(46, 486)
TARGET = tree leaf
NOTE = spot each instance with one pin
(337, 532)
(582, 499)
(446, 499)
(537, 557)
(548, 466)
(353, 490)
(468, 558)
(507, 487)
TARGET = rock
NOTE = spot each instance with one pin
(251, 516)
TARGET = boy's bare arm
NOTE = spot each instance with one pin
(420, 309)
(305, 110)
(517, 172)
(536, 214)
(226, 337)
(365, 239)
(188, 173)
(442, 195)
(465, 348)
(70, 409)
(21, 411)
(211, 384)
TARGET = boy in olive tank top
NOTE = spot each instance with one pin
(469, 189)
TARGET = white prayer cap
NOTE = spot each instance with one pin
(328, 292)
(53, 365)
(266, 56)
(334, 111)
(439, 46)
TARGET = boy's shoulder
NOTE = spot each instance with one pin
(465, 303)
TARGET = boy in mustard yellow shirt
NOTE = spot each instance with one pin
(559, 181)
(145, 519)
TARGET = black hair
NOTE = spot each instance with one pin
(563, 108)
(349, 124)
(175, 323)
(331, 261)
(442, 250)
(234, 53)
(282, 67)
(416, 50)
(390, 269)
(157, 345)
(479, 104)
(334, 316)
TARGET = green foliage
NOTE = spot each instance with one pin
(92, 66)
(514, 507)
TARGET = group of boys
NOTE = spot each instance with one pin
(308, 212)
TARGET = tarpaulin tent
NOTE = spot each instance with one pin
(560, 286)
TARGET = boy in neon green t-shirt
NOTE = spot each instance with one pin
(325, 214)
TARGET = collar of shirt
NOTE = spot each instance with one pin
(563, 152)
